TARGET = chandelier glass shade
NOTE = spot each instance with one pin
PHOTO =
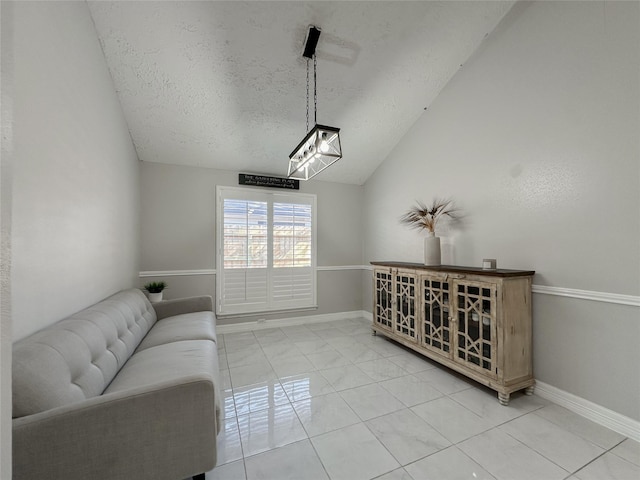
(319, 149)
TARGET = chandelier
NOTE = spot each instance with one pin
(321, 146)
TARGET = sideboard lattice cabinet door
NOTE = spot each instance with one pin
(476, 326)
(474, 321)
(383, 298)
(405, 317)
(436, 325)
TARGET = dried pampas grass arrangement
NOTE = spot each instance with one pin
(423, 217)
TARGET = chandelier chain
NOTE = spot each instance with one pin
(315, 93)
(307, 96)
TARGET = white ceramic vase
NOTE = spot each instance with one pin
(155, 297)
(432, 249)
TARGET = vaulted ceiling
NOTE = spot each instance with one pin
(223, 84)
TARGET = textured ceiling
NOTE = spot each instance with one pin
(223, 84)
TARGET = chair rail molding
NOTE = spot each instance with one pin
(332, 268)
(606, 297)
(176, 273)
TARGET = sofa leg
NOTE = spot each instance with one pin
(200, 476)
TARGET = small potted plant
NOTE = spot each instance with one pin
(425, 217)
(155, 290)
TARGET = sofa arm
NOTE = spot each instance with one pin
(169, 308)
(162, 431)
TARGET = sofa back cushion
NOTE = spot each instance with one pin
(76, 358)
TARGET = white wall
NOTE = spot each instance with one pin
(6, 64)
(178, 233)
(536, 139)
(75, 235)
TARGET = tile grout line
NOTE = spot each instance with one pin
(578, 434)
(244, 463)
(309, 437)
(354, 362)
(298, 416)
(610, 450)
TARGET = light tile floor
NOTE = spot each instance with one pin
(330, 401)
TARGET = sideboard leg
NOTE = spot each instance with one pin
(373, 332)
(200, 476)
(529, 390)
(503, 398)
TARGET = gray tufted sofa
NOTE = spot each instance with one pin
(124, 389)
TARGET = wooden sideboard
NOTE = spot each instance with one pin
(474, 321)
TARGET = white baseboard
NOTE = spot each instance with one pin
(603, 416)
(289, 322)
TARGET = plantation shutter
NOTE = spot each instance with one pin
(245, 253)
(266, 251)
(293, 274)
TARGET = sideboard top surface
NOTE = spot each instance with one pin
(496, 272)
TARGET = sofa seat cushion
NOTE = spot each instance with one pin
(187, 326)
(171, 362)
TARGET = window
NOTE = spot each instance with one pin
(266, 251)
